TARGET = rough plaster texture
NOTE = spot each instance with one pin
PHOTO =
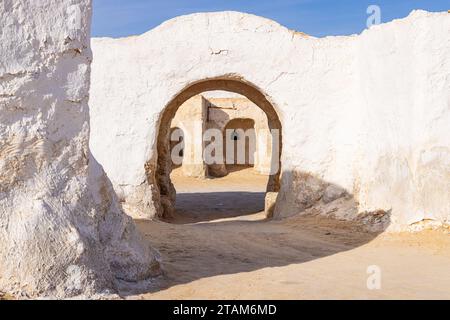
(62, 232)
(367, 113)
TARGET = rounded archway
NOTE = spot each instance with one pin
(161, 176)
(239, 131)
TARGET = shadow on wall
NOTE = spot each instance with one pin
(301, 191)
(129, 256)
(321, 227)
(217, 170)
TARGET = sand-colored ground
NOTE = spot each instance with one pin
(219, 246)
(209, 256)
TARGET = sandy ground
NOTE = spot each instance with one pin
(219, 246)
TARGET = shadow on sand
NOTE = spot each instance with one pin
(211, 240)
(204, 206)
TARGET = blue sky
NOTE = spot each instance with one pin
(118, 18)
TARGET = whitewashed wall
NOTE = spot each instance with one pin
(62, 232)
(367, 113)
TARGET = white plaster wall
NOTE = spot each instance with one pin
(368, 113)
(223, 109)
(191, 119)
(404, 82)
(62, 232)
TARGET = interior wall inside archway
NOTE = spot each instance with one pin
(216, 110)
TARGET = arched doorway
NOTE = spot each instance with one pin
(167, 192)
(239, 134)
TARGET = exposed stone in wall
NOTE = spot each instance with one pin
(270, 201)
(368, 113)
(62, 231)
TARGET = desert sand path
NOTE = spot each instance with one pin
(209, 256)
